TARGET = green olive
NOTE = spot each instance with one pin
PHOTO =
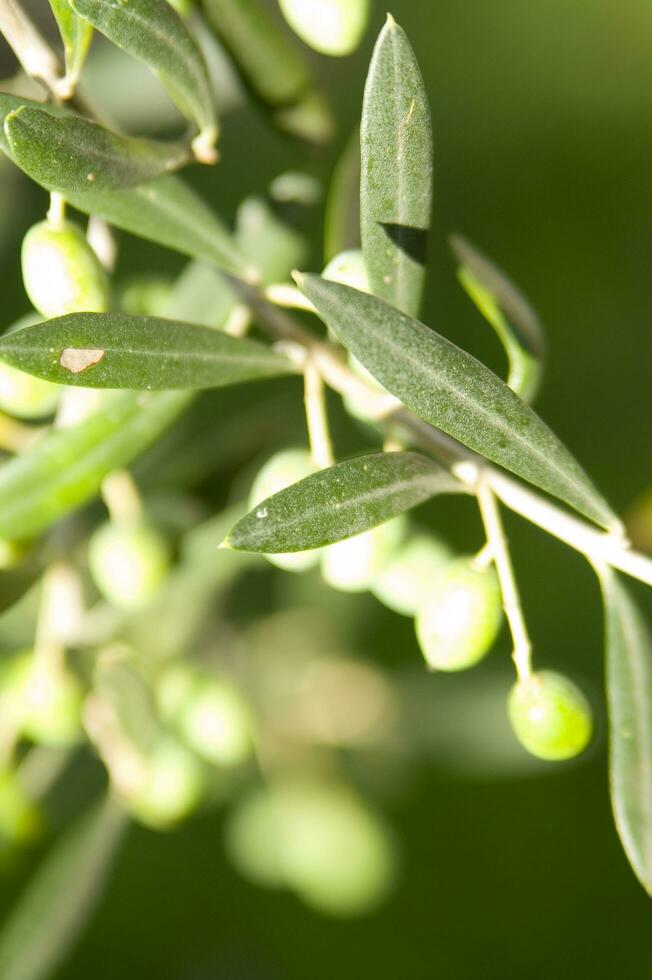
(348, 268)
(333, 27)
(403, 583)
(354, 564)
(25, 396)
(320, 839)
(20, 821)
(279, 472)
(209, 714)
(129, 562)
(460, 616)
(171, 785)
(50, 703)
(550, 716)
(61, 272)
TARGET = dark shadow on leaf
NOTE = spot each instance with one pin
(412, 241)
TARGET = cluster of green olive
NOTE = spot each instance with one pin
(455, 601)
(203, 729)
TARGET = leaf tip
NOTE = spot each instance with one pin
(225, 545)
(299, 277)
(390, 23)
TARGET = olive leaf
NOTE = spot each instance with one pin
(396, 174)
(340, 501)
(454, 391)
(153, 31)
(75, 154)
(270, 66)
(509, 313)
(67, 467)
(164, 210)
(342, 218)
(76, 34)
(120, 350)
(62, 896)
(629, 700)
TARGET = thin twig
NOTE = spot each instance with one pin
(522, 653)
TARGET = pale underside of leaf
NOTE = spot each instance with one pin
(629, 698)
(453, 391)
(339, 502)
(509, 313)
(153, 31)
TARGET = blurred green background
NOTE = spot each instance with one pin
(543, 127)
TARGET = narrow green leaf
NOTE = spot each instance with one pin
(67, 467)
(75, 154)
(118, 350)
(164, 210)
(62, 896)
(629, 699)
(340, 501)
(76, 35)
(454, 391)
(342, 219)
(396, 176)
(153, 31)
(269, 63)
(509, 313)
(271, 67)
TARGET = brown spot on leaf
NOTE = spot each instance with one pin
(77, 359)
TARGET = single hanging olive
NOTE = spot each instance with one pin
(208, 712)
(550, 716)
(460, 616)
(170, 787)
(129, 562)
(61, 272)
(333, 27)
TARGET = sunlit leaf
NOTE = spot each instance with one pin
(152, 31)
(340, 501)
(629, 699)
(118, 350)
(455, 392)
(76, 34)
(62, 896)
(396, 172)
(508, 312)
(164, 210)
(67, 467)
(75, 154)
